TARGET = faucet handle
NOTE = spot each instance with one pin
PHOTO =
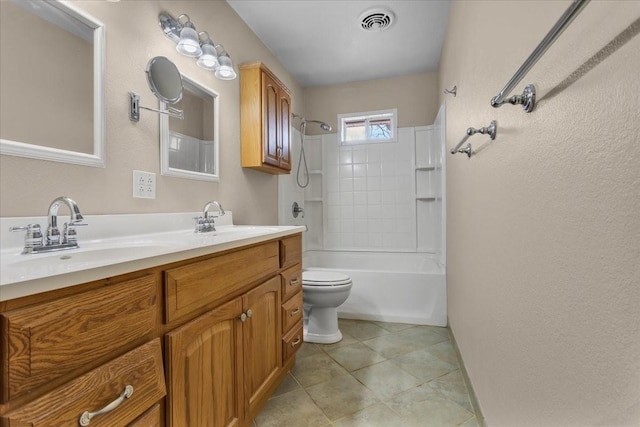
(69, 234)
(33, 238)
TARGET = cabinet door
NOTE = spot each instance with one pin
(204, 370)
(285, 123)
(262, 335)
(271, 147)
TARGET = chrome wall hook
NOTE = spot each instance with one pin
(453, 91)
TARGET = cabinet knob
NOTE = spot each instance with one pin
(249, 313)
(294, 312)
(243, 317)
(296, 342)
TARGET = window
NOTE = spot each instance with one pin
(363, 128)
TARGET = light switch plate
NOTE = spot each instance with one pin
(144, 185)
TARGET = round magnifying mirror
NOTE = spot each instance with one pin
(164, 79)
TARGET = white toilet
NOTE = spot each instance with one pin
(322, 293)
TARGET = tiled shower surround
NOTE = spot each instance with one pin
(370, 197)
(370, 194)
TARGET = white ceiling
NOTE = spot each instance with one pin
(321, 42)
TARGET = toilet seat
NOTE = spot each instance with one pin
(324, 278)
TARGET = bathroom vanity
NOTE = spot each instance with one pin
(200, 336)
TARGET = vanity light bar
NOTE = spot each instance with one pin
(186, 41)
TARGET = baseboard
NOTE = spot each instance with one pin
(465, 375)
(389, 318)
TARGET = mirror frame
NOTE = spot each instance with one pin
(154, 86)
(164, 138)
(98, 157)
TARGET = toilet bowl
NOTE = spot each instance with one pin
(322, 293)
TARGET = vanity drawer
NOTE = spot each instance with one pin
(291, 343)
(47, 341)
(151, 418)
(291, 251)
(291, 282)
(194, 286)
(140, 368)
(292, 312)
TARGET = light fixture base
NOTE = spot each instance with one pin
(170, 26)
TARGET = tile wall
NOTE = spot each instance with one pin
(369, 197)
(369, 194)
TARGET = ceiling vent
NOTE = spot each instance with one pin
(378, 19)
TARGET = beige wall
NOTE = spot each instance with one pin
(132, 38)
(415, 97)
(543, 223)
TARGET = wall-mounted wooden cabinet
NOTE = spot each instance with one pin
(265, 117)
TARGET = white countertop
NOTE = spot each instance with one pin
(111, 249)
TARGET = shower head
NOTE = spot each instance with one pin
(303, 122)
(323, 125)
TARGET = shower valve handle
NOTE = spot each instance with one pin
(296, 209)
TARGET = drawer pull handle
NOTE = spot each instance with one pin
(295, 282)
(294, 312)
(296, 342)
(86, 417)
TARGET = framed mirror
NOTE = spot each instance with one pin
(52, 83)
(189, 146)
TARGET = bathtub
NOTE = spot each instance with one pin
(388, 286)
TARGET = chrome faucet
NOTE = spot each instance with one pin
(53, 233)
(205, 223)
(35, 242)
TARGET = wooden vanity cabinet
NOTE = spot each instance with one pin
(265, 120)
(205, 370)
(227, 344)
(141, 369)
(221, 367)
(62, 356)
(49, 342)
(292, 303)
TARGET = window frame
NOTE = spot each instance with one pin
(367, 117)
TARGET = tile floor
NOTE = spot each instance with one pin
(379, 375)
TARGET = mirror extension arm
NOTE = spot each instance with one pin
(134, 109)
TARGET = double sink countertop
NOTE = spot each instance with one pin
(118, 244)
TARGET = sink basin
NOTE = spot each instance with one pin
(91, 254)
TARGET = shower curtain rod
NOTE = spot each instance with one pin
(528, 97)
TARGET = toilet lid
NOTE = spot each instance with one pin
(324, 278)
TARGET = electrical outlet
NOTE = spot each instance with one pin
(144, 185)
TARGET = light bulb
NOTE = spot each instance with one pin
(189, 44)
